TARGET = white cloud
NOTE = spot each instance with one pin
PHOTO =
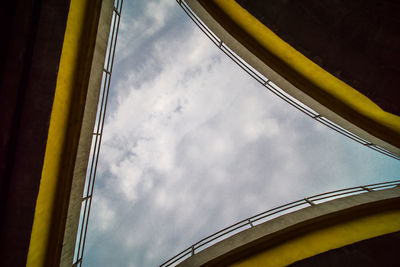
(192, 144)
(105, 215)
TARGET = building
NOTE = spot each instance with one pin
(52, 69)
(338, 58)
(53, 54)
(355, 230)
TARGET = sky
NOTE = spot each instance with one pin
(193, 144)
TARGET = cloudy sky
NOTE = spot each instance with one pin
(193, 144)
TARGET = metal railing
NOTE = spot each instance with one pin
(97, 136)
(273, 213)
(268, 84)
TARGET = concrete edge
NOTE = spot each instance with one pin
(85, 139)
(280, 81)
(336, 209)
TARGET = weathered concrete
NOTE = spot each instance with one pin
(293, 224)
(245, 53)
(40, 212)
(85, 140)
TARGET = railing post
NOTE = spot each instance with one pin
(251, 224)
(99, 125)
(367, 189)
(309, 202)
(236, 58)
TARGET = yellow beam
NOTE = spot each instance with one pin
(325, 239)
(304, 73)
(63, 135)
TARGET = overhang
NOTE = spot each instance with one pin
(345, 93)
(307, 232)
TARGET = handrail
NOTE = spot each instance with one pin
(97, 136)
(268, 84)
(280, 210)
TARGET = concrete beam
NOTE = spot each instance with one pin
(298, 223)
(85, 139)
(297, 75)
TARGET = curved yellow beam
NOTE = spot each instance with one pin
(328, 238)
(304, 73)
(63, 134)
